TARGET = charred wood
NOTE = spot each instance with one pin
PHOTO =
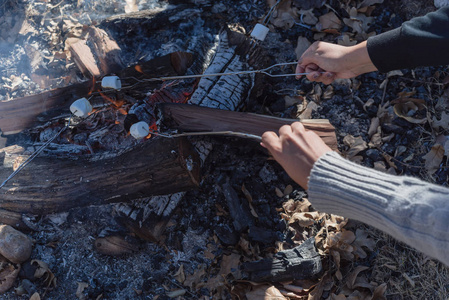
(301, 262)
(148, 218)
(239, 212)
(50, 185)
(262, 235)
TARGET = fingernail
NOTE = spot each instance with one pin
(329, 75)
(315, 76)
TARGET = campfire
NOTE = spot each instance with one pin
(138, 133)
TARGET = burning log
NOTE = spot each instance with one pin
(50, 185)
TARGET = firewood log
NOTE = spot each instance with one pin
(50, 185)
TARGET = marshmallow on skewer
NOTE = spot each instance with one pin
(140, 130)
(260, 32)
(112, 82)
(81, 108)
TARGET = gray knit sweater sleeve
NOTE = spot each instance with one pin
(410, 210)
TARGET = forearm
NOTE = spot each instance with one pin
(410, 210)
(422, 41)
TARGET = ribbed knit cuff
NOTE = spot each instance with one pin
(341, 187)
(409, 209)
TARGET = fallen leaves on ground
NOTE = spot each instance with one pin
(355, 144)
(265, 292)
(406, 108)
(434, 158)
(8, 275)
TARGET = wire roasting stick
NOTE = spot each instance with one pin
(35, 154)
(264, 71)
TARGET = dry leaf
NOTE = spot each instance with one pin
(355, 144)
(301, 47)
(353, 276)
(229, 264)
(35, 296)
(379, 292)
(362, 240)
(434, 158)
(79, 291)
(250, 200)
(380, 166)
(443, 122)
(279, 193)
(324, 283)
(337, 222)
(193, 280)
(176, 293)
(338, 297)
(374, 126)
(345, 40)
(406, 108)
(303, 219)
(44, 272)
(328, 92)
(308, 16)
(8, 275)
(360, 23)
(292, 206)
(284, 16)
(288, 190)
(179, 275)
(329, 21)
(265, 292)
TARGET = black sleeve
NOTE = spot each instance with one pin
(422, 41)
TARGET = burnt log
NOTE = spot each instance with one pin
(301, 262)
(51, 185)
(186, 118)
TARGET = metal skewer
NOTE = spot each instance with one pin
(35, 154)
(261, 71)
(228, 133)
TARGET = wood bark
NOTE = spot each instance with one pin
(50, 185)
(186, 117)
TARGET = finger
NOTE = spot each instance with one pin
(298, 127)
(299, 69)
(284, 130)
(328, 77)
(313, 75)
(311, 67)
(269, 138)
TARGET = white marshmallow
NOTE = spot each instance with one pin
(140, 130)
(260, 32)
(112, 82)
(81, 108)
